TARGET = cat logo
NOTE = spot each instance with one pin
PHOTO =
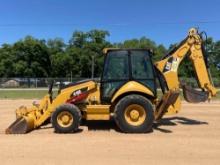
(172, 64)
(168, 66)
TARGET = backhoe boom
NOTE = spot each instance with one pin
(193, 47)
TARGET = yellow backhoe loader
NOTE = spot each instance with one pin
(127, 91)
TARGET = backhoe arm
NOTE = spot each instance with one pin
(168, 67)
(202, 73)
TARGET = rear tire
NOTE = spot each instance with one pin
(134, 114)
(66, 118)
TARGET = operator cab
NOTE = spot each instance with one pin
(124, 65)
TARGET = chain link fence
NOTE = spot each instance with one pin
(44, 82)
(35, 82)
(193, 83)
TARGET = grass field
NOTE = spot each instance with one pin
(33, 93)
(22, 94)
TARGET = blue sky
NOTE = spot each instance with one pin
(164, 21)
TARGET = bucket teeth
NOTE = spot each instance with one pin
(21, 126)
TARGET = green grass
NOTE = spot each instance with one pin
(38, 94)
(22, 94)
(218, 95)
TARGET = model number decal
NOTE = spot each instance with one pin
(172, 64)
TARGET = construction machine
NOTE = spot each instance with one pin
(126, 93)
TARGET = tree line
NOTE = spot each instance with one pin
(32, 57)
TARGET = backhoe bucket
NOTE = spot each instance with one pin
(21, 126)
(193, 96)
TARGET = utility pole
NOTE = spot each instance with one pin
(93, 65)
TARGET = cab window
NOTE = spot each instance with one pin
(141, 65)
(142, 68)
(115, 74)
(117, 66)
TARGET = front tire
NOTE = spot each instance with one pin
(134, 114)
(66, 118)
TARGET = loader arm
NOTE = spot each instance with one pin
(31, 118)
(168, 67)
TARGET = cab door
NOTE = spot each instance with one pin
(142, 69)
(115, 74)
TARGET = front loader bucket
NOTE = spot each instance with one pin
(193, 96)
(21, 126)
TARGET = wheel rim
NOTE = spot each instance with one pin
(65, 119)
(135, 115)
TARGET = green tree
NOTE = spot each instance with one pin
(6, 61)
(144, 43)
(31, 58)
(213, 51)
(56, 51)
(84, 46)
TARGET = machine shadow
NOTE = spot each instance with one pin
(101, 125)
(92, 126)
(111, 125)
(174, 121)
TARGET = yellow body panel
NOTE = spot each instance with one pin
(97, 112)
(94, 95)
(132, 86)
(171, 76)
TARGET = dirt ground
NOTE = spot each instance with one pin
(190, 137)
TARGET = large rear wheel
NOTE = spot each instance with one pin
(66, 118)
(134, 114)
